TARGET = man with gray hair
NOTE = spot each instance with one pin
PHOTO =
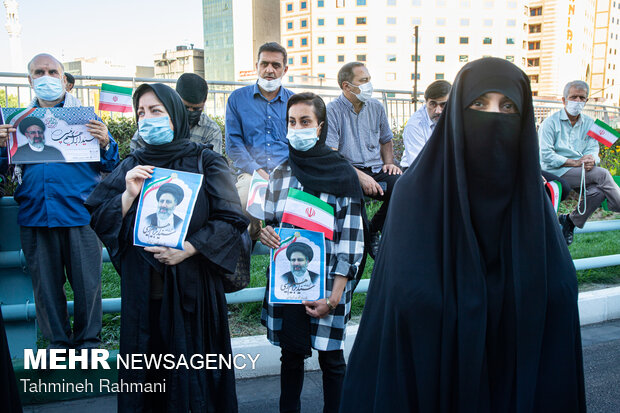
(420, 126)
(55, 231)
(566, 150)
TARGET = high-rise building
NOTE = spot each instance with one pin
(233, 32)
(604, 53)
(183, 59)
(14, 30)
(559, 44)
(321, 36)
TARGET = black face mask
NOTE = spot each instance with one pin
(193, 116)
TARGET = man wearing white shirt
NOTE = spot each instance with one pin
(421, 124)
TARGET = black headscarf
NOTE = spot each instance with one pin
(472, 306)
(180, 145)
(322, 169)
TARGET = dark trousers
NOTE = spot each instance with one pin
(50, 252)
(333, 367)
(376, 224)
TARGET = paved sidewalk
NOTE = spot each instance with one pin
(601, 354)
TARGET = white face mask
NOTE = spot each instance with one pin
(365, 91)
(269, 85)
(574, 108)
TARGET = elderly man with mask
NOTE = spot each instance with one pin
(55, 226)
(193, 90)
(256, 124)
(359, 129)
(420, 126)
(565, 148)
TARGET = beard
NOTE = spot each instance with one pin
(298, 270)
(37, 145)
(164, 213)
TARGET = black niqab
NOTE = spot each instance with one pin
(472, 306)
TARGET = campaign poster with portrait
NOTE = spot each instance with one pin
(165, 208)
(297, 267)
(51, 135)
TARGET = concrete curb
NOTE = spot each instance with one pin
(594, 307)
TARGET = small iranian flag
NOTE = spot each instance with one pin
(603, 133)
(256, 196)
(115, 98)
(309, 212)
(555, 191)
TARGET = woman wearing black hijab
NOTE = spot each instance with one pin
(173, 301)
(472, 306)
(314, 168)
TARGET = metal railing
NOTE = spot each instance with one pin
(398, 103)
(27, 311)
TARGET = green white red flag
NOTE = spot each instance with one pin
(603, 133)
(309, 212)
(555, 191)
(115, 98)
(256, 196)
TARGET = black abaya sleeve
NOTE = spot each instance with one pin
(220, 239)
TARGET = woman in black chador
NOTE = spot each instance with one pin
(472, 306)
(172, 301)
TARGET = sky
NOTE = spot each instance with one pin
(127, 31)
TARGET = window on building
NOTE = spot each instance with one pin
(533, 45)
(511, 22)
(416, 2)
(340, 58)
(413, 58)
(320, 3)
(304, 60)
(361, 2)
(510, 40)
(533, 62)
(536, 11)
(391, 39)
(534, 93)
(290, 60)
(390, 76)
(391, 20)
(304, 23)
(488, 4)
(289, 43)
(340, 21)
(440, 3)
(289, 7)
(290, 79)
(304, 5)
(439, 76)
(416, 21)
(465, 3)
(340, 40)
(464, 22)
(535, 28)
(512, 4)
(463, 58)
(321, 59)
(390, 57)
(441, 40)
(321, 75)
(440, 58)
(360, 39)
(413, 76)
(463, 40)
(440, 21)
(360, 57)
(360, 20)
(304, 41)
(487, 22)
(289, 25)
(487, 40)
(320, 40)
(391, 2)
(533, 78)
(510, 58)
(321, 22)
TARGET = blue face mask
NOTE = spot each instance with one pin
(156, 131)
(302, 139)
(48, 88)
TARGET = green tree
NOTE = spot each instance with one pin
(13, 103)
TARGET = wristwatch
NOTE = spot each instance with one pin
(329, 304)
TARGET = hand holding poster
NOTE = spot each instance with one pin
(51, 135)
(165, 208)
(297, 267)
